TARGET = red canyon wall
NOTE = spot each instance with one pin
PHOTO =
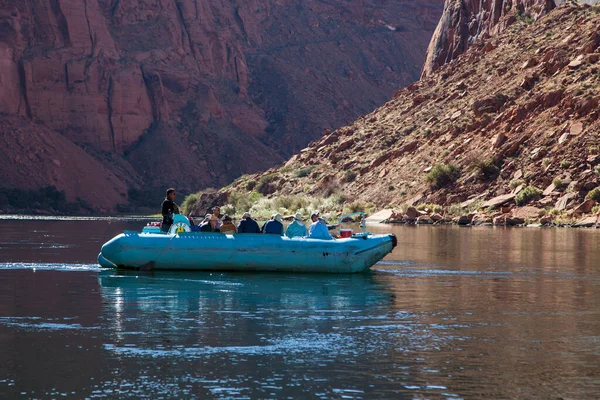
(190, 93)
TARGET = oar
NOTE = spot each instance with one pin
(149, 266)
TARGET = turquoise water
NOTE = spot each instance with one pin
(452, 313)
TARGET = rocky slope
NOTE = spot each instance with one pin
(516, 115)
(193, 93)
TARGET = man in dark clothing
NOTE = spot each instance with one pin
(248, 225)
(168, 209)
(274, 226)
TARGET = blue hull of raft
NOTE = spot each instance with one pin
(243, 252)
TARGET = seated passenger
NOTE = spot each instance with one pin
(216, 211)
(210, 224)
(296, 228)
(193, 226)
(248, 225)
(262, 228)
(274, 225)
(318, 230)
(324, 221)
(227, 226)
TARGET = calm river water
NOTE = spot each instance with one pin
(451, 313)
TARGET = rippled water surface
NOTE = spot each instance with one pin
(451, 313)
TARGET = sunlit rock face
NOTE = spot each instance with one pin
(207, 90)
(464, 22)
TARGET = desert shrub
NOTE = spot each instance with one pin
(286, 169)
(442, 174)
(457, 209)
(332, 204)
(292, 203)
(486, 168)
(264, 207)
(597, 170)
(515, 183)
(593, 194)
(357, 205)
(527, 194)
(349, 176)
(240, 202)
(435, 208)
(559, 183)
(526, 18)
(564, 164)
(302, 172)
(265, 184)
(189, 202)
(545, 162)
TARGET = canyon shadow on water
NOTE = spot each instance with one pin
(451, 313)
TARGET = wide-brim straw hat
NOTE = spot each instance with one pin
(277, 217)
(298, 217)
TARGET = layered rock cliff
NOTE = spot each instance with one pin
(464, 22)
(192, 93)
(514, 119)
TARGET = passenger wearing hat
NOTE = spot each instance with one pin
(318, 229)
(296, 228)
(210, 224)
(274, 225)
(227, 226)
(325, 222)
(248, 225)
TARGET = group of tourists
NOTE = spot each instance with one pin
(215, 222)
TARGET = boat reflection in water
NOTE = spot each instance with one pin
(245, 334)
(203, 302)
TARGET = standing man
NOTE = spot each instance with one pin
(168, 209)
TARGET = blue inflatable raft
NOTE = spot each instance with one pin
(183, 250)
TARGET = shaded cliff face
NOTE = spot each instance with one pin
(192, 93)
(464, 22)
(518, 112)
